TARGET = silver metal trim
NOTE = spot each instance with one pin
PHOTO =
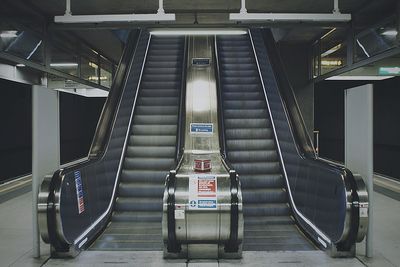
(315, 228)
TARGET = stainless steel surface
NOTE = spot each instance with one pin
(363, 204)
(202, 233)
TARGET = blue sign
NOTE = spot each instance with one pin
(201, 128)
(207, 204)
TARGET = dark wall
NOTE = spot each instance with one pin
(295, 61)
(329, 120)
(15, 129)
(78, 120)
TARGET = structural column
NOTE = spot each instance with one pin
(45, 146)
(359, 144)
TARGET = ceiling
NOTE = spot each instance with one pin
(198, 13)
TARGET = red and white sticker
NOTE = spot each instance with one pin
(203, 191)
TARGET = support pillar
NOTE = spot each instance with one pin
(359, 144)
(45, 146)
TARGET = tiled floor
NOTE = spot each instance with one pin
(16, 245)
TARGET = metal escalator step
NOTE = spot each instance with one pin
(151, 151)
(240, 80)
(152, 140)
(164, 77)
(155, 119)
(132, 228)
(257, 167)
(262, 195)
(158, 101)
(248, 123)
(253, 156)
(138, 204)
(245, 113)
(164, 64)
(159, 84)
(249, 104)
(160, 92)
(248, 145)
(141, 190)
(240, 133)
(136, 216)
(262, 180)
(243, 95)
(156, 110)
(262, 209)
(266, 221)
(253, 87)
(148, 163)
(141, 176)
(154, 129)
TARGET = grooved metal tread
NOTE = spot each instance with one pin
(150, 152)
(251, 149)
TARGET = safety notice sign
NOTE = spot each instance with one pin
(202, 191)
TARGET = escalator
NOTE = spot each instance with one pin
(113, 201)
(292, 201)
(251, 149)
(150, 152)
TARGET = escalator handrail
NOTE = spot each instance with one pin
(341, 172)
(182, 107)
(221, 123)
(59, 175)
(109, 111)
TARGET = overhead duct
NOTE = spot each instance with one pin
(335, 16)
(69, 18)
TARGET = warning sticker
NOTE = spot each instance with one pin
(202, 191)
(79, 191)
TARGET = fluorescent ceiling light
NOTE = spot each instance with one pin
(328, 33)
(389, 70)
(332, 50)
(8, 34)
(331, 63)
(113, 18)
(20, 65)
(64, 65)
(198, 32)
(328, 17)
(95, 78)
(358, 78)
(389, 32)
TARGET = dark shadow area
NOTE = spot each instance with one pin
(15, 130)
(329, 120)
(78, 120)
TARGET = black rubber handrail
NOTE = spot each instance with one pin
(182, 107)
